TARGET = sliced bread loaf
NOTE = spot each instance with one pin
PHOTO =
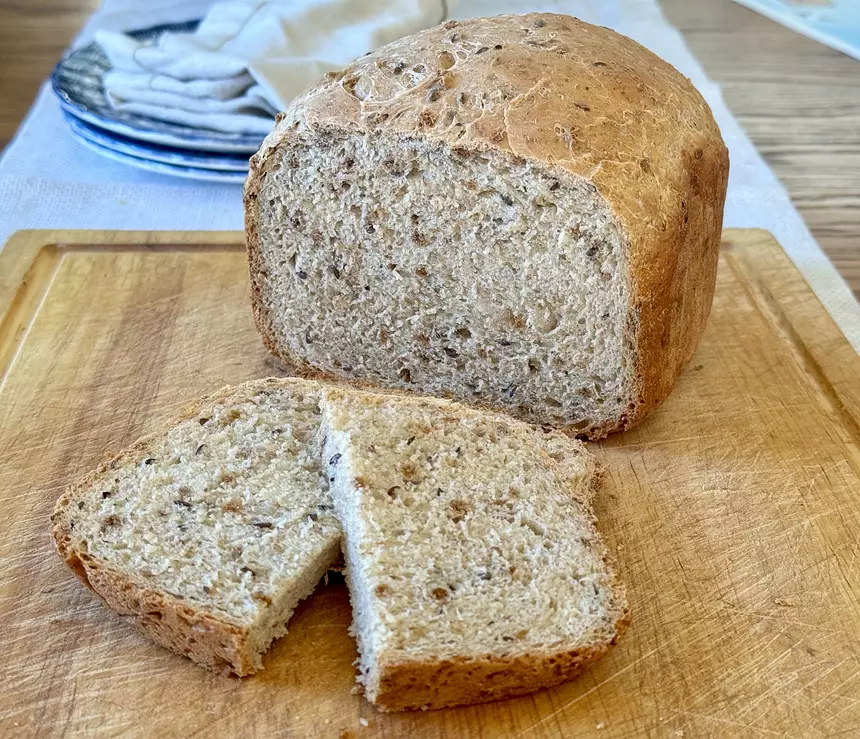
(474, 567)
(523, 211)
(206, 535)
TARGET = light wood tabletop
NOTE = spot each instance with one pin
(799, 101)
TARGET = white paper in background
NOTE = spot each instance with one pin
(835, 23)
(47, 180)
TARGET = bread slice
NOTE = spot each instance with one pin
(519, 211)
(206, 535)
(474, 567)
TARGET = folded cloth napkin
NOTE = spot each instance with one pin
(248, 58)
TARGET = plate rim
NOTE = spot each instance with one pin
(199, 174)
(217, 141)
(101, 138)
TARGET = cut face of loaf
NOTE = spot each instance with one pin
(406, 264)
(474, 568)
(206, 535)
(520, 211)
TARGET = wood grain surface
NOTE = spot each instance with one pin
(33, 36)
(733, 510)
(798, 100)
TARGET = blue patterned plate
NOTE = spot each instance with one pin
(156, 153)
(77, 83)
(174, 170)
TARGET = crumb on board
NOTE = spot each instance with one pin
(363, 721)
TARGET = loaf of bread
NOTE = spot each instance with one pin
(474, 567)
(206, 535)
(522, 212)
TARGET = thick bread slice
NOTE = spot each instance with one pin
(474, 567)
(206, 535)
(519, 211)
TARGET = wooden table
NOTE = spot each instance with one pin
(798, 100)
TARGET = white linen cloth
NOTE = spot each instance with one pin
(281, 45)
(48, 180)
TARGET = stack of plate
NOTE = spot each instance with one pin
(140, 141)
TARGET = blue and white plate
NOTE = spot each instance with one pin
(77, 83)
(156, 153)
(174, 170)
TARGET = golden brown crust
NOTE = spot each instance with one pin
(209, 640)
(588, 102)
(410, 686)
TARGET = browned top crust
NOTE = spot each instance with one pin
(582, 99)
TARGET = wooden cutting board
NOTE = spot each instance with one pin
(735, 512)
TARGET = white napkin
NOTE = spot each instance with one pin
(249, 58)
(137, 85)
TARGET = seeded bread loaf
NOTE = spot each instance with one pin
(206, 535)
(474, 567)
(519, 211)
